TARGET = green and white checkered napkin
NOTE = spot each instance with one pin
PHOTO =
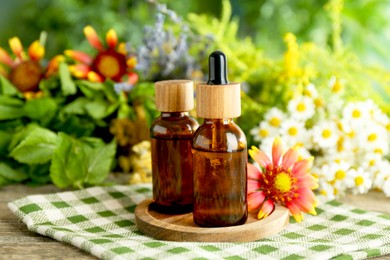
(100, 220)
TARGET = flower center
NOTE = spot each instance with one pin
(388, 127)
(337, 86)
(263, 132)
(282, 182)
(356, 113)
(372, 162)
(26, 76)
(340, 174)
(372, 137)
(326, 133)
(293, 131)
(359, 180)
(301, 107)
(274, 121)
(110, 64)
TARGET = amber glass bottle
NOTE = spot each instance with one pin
(171, 137)
(219, 152)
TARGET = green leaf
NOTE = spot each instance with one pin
(68, 165)
(77, 106)
(21, 135)
(67, 85)
(6, 87)
(36, 148)
(42, 109)
(5, 140)
(10, 108)
(99, 163)
(4, 181)
(16, 175)
(99, 109)
(39, 174)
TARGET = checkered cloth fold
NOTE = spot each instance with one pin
(100, 220)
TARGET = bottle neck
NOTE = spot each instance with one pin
(174, 114)
(219, 121)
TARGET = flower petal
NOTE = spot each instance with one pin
(54, 64)
(36, 51)
(94, 77)
(5, 58)
(255, 199)
(132, 78)
(295, 212)
(122, 48)
(79, 56)
(253, 172)
(93, 38)
(308, 180)
(266, 209)
(111, 38)
(277, 150)
(80, 70)
(253, 186)
(131, 62)
(290, 157)
(259, 156)
(302, 166)
(16, 46)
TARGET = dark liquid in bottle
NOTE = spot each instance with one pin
(172, 174)
(219, 199)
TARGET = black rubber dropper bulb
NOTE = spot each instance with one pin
(217, 69)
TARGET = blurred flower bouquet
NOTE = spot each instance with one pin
(74, 119)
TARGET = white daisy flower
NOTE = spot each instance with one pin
(371, 161)
(382, 174)
(325, 192)
(310, 91)
(264, 130)
(359, 181)
(373, 137)
(301, 108)
(337, 172)
(386, 187)
(293, 132)
(274, 117)
(325, 134)
(356, 112)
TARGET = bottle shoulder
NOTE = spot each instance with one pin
(173, 127)
(219, 137)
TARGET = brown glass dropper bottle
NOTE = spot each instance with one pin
(219, 151)
(171, 138)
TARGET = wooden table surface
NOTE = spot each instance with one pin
(17, 242)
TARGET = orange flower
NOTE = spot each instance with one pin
(109, 63)
(284, 180)
(24, 70)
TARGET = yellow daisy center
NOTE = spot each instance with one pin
(293, 131)
(356, 113)
(372, 137)
(318, 102)
(340, 174)
(388, 127)
(372, 162)
(301, 107)
(274, 121)
(283, 182)
(326, 133)
(109, 66)
(263, 132)
(378, 150)
(359, 180)
(323, 192)
(337, 86)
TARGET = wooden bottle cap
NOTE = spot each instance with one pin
(174, 95)
(218, 101)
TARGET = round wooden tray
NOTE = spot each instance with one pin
(182, 227)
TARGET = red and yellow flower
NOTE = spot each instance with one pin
(24, 70)
(111, 62)
(285, 180)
